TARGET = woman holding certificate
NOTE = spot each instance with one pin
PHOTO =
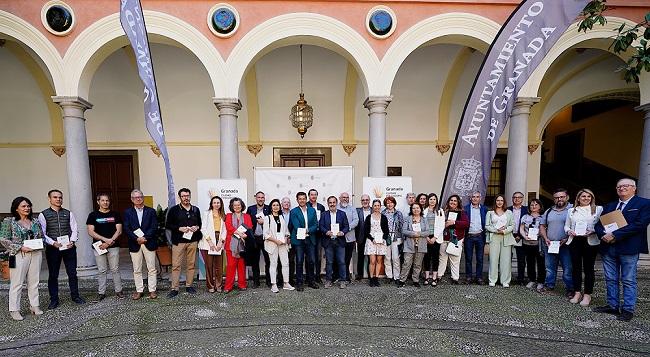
(211, 245)
(395, 223)
(499, 225)
(415, 245)
(529, 230)
(22, 237)
(276, 235)
(238, 224)
(452, 248)
(377, 241)
(430, 264)
(583, 243)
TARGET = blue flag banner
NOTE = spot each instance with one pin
(521, 44)
(132, 20)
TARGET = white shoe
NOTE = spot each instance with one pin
(530, 285)
(540, 287)
(492, 284)
(586, 300)
(506, 285)
(288, 287)
(274, 288)
(576, 298)
(16, 315)
(36, 310)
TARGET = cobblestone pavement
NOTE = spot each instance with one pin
(447, 320)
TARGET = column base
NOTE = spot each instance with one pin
(89, 271)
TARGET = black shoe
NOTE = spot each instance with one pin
(387, 281)
(605, 310)
(371, 281)
(256, 285)
(400, 284)
(358, 278)
(78, 300)
(480, 282)
(300, 288)
(469, 281)
(313, 286)
(377, 283)
(625, 316)
(454, 282)
(53, 305)
(190, 290)
(100, 297)
(417, 285)
(172, 294)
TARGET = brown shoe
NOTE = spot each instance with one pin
(136, 296)
(153, 295)
(119, 295)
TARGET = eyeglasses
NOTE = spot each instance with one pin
(558, 197)
(185, 196)
(627, 185)
(137, 197)
(520, 197)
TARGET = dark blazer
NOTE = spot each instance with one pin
(468, 209)
(524, 211)
(149, 226)
(360, 230)
(297, 220)
(384, 227)
(252, 211)
(631, 239)
(326, 223)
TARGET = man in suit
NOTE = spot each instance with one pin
(141, 228)
(362, 213)
(475, 238)
(333, 240)
(304, 217)
(518, 210)
(313, 203)
(257, 213)
(620, 249)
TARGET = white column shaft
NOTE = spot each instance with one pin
(229, 141)
(517, 163)
(644, 163)
(377, 135)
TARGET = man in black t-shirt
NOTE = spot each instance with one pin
(104, 227)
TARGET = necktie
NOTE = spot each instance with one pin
(620, 206)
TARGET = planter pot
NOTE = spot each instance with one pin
(4, 269)
(164, 254)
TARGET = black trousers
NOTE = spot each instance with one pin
(255, 261)
(521, 263)
(361, 257)
(583, 258)
(535, 263)
(54, 257)
(431, 258)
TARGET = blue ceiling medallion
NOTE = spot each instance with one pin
(224, 20)
(380, 22)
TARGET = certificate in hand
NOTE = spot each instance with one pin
(377, 237)
(301, 234)
(612, 221)
(554, 248)
(188, 235)
(241, 229)
(452, 216)
(99, 250)
(34, 244)
(64, 241)
(533, 233)
(581, 228)
(335, 229)
(138, 233)
(280, 236)
(416, 227)
(215, 252)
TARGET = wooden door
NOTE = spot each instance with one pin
(302, 160)
(113, 174)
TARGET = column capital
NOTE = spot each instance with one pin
(227, 103)
(373, 102)
(71, 101)
(527, 101)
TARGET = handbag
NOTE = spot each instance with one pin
(454, 249)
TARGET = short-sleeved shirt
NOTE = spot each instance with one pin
(554, 222)
(105, 223)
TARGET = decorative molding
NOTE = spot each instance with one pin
(155, 149)
(58, 150)
(349, 148)
(254, 148)
(532, 148)
(443, 148)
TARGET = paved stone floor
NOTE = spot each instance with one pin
(359, 321)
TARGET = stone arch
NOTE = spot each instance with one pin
(304, 28)
(467, 29)
(106, 35)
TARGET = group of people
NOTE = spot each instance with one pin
(422, 240)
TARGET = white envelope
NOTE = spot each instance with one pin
(533, 233)
(34, 244)
(452, 216)
(335, 229)
(64, 241)
(554, 248)
(609, 228)
(188, 235)
(317, 215)
(98, 249)
(301, 234)
(138, 233)
(581, 228)
(241, 229)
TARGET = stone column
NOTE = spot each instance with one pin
(643, 186)
(229, 142)
(79, 197)
(377, 135)
(517, 164)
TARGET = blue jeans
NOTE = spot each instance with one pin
(552, 260)
(474, 245)
(335, 250)
(305, 249)
(620, 268)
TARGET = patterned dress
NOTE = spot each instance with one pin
(372, 248)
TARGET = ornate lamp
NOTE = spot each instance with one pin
(302, 114)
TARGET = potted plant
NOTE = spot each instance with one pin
(164, 252)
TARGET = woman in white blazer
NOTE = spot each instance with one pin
(499, 225)
(276, 243)
(213, 228)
